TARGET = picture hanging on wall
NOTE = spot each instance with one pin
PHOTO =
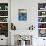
(22, 14)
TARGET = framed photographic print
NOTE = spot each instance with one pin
(22, 14)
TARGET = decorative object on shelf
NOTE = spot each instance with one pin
(41, 6)
(31, 27)
(0, 7)
(3, 13)
(43, 13)
(3, 6)
(3, 19)
(42, 32)
(45, 7)
(6, 7)
(41, 19)
(22, 14)
(4, 29)
(13, 27)
(4, 26)
(41, 25)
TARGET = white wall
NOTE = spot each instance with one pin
(31, 7)
(32, 14)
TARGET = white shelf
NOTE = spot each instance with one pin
(3, 16)
(3, 22)
(41, 22)
(3, 10)
(41, 28)
(42, 16)
(41, 10)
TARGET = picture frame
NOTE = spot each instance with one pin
(22, 14)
